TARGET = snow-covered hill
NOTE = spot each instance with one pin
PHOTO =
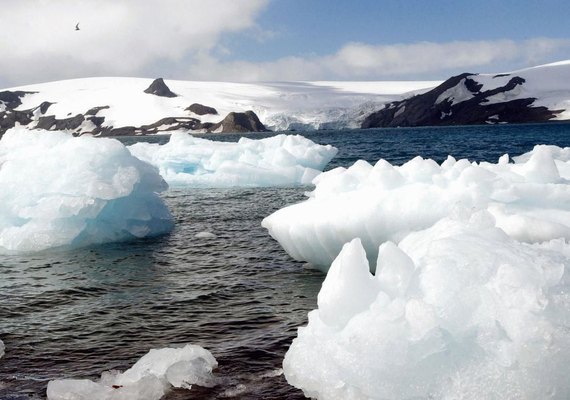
(535, 94)
(280, 106)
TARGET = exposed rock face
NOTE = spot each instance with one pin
(200, 109)
(239, 122)
(12, 99)
(461, 101)
(159, 88)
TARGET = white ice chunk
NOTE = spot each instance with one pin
(149, 379)
(470, 314)
(205, 235)
(530, 200)
(275, 161)
(57, 190)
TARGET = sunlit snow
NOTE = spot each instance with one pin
(279, 105)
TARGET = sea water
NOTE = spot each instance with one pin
(75, 314)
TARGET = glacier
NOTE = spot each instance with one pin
(528, 196)
(274, 161)
(150, 378)
(61, 191)
(459, 310)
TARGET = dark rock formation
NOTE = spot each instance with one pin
(12, 99)
(170, 124)
(436, 108)
(239, 122)
(200, 109)
(159, 88)
(95, 110)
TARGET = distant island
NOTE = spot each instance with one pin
(137, 106)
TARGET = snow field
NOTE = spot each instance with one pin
(150, 378)
(529, 199)
(279, 160)
(279, 105)
(58, 190)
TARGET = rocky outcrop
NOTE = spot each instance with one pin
(12, 99)
(159, 88)
(462, 100)
(200, 109)
(239, 122)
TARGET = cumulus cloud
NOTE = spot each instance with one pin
(116, 38)
(403, 61)
(184, 39)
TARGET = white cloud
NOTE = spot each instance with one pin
(116, 38)
(183, 39)
(403, 61)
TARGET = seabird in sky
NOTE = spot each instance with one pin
(77, 27)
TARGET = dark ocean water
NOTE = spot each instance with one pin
(75, 314)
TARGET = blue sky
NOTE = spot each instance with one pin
(308, 28)
(277, 40)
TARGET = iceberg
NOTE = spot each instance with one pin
(529, 197)
(58, 191)
(457, 311)
(275, 161)
(150, 378)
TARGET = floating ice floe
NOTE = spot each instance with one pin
(457, 311)
(57, 190)
(530, 200)
(205, 235)
(275, 161)
(149, 379)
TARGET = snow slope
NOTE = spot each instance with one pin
(300, 105)
(549, 84)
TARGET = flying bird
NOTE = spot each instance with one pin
(77, 27)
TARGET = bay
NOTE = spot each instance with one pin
(75, 314)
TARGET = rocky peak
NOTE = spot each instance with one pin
(239, 122)
(159, 88)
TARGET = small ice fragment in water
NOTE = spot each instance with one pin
(205, 235)
(149, 379)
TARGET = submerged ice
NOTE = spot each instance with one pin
(275, 161)
(149, 379)
(57, 190)
(459, 310)
(529, 198)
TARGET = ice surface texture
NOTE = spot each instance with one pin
(279, 160)
(57, 190)
(149, 379)
(530, 200)
(457, 311)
